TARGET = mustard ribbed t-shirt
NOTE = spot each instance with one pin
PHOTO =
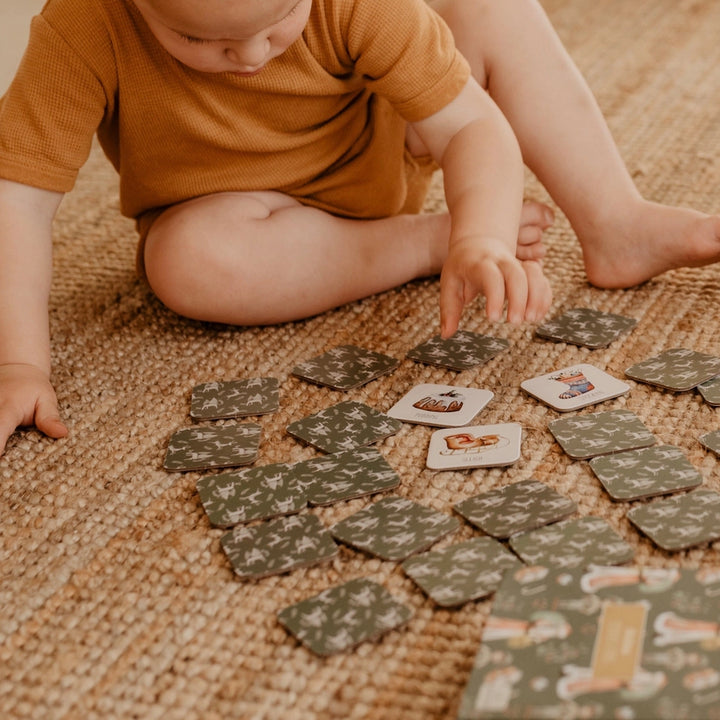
(324, 122)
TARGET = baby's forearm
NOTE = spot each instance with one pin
(25, 273)
(484, 182)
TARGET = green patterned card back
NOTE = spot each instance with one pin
(515, 508)
(345, 367)
(394, 528)
(710, 391)
(345, 426)
(677, 369)
(234, 398)
(278, 546)
(586, 327)
(459, 573)
(645, 473)
(342, 617)
(463, 351)
(680, 522)
(572, 544)
(347, 475)
(586, 436)
(203, 448)
(252, 494)
(711, 441)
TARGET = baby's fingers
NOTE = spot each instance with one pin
(451, 304)
(516, 288)
(47, 418)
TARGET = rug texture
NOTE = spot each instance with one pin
(116, 600)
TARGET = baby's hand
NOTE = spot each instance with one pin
(27, 398)
(488, 267)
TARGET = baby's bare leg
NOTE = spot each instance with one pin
(515, 53)
(259, 258)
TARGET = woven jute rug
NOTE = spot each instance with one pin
(116, 600)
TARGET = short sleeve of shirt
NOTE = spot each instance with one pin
(50, 112)
(407, 54)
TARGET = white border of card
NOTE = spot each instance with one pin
(440, 405)
(574, 387)
(473, 447)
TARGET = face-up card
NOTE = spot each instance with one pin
(472, 447)
(347, 475)
(575, 387)
(253, 494)
(710, 391)
(345, 426)
(711, 441)
(586, 436)
(202, 448)
(645, 473)
(234, 398)
(345, 367)
(342, 617)
(457, 574)
(440, 405)
(277, 546)
(516, 508)
(463, 351)
(680, 522)
(586, 327)
(572, 544)
(394, 528)
(677, 369)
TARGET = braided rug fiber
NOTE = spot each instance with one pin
(116, 600)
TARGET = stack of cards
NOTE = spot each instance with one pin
(474, 447)
(346, 367)
(586, 327)
(463, 351)
(575, 387)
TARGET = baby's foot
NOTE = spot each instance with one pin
(655, 239)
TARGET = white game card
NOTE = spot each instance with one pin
(473, 447)
(440, 405)
(575, 387)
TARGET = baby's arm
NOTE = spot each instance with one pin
(26, 395)
(484, 182)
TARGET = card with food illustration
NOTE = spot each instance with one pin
(440, 405)
(601, 642)
(473, 447)
(575, 387)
